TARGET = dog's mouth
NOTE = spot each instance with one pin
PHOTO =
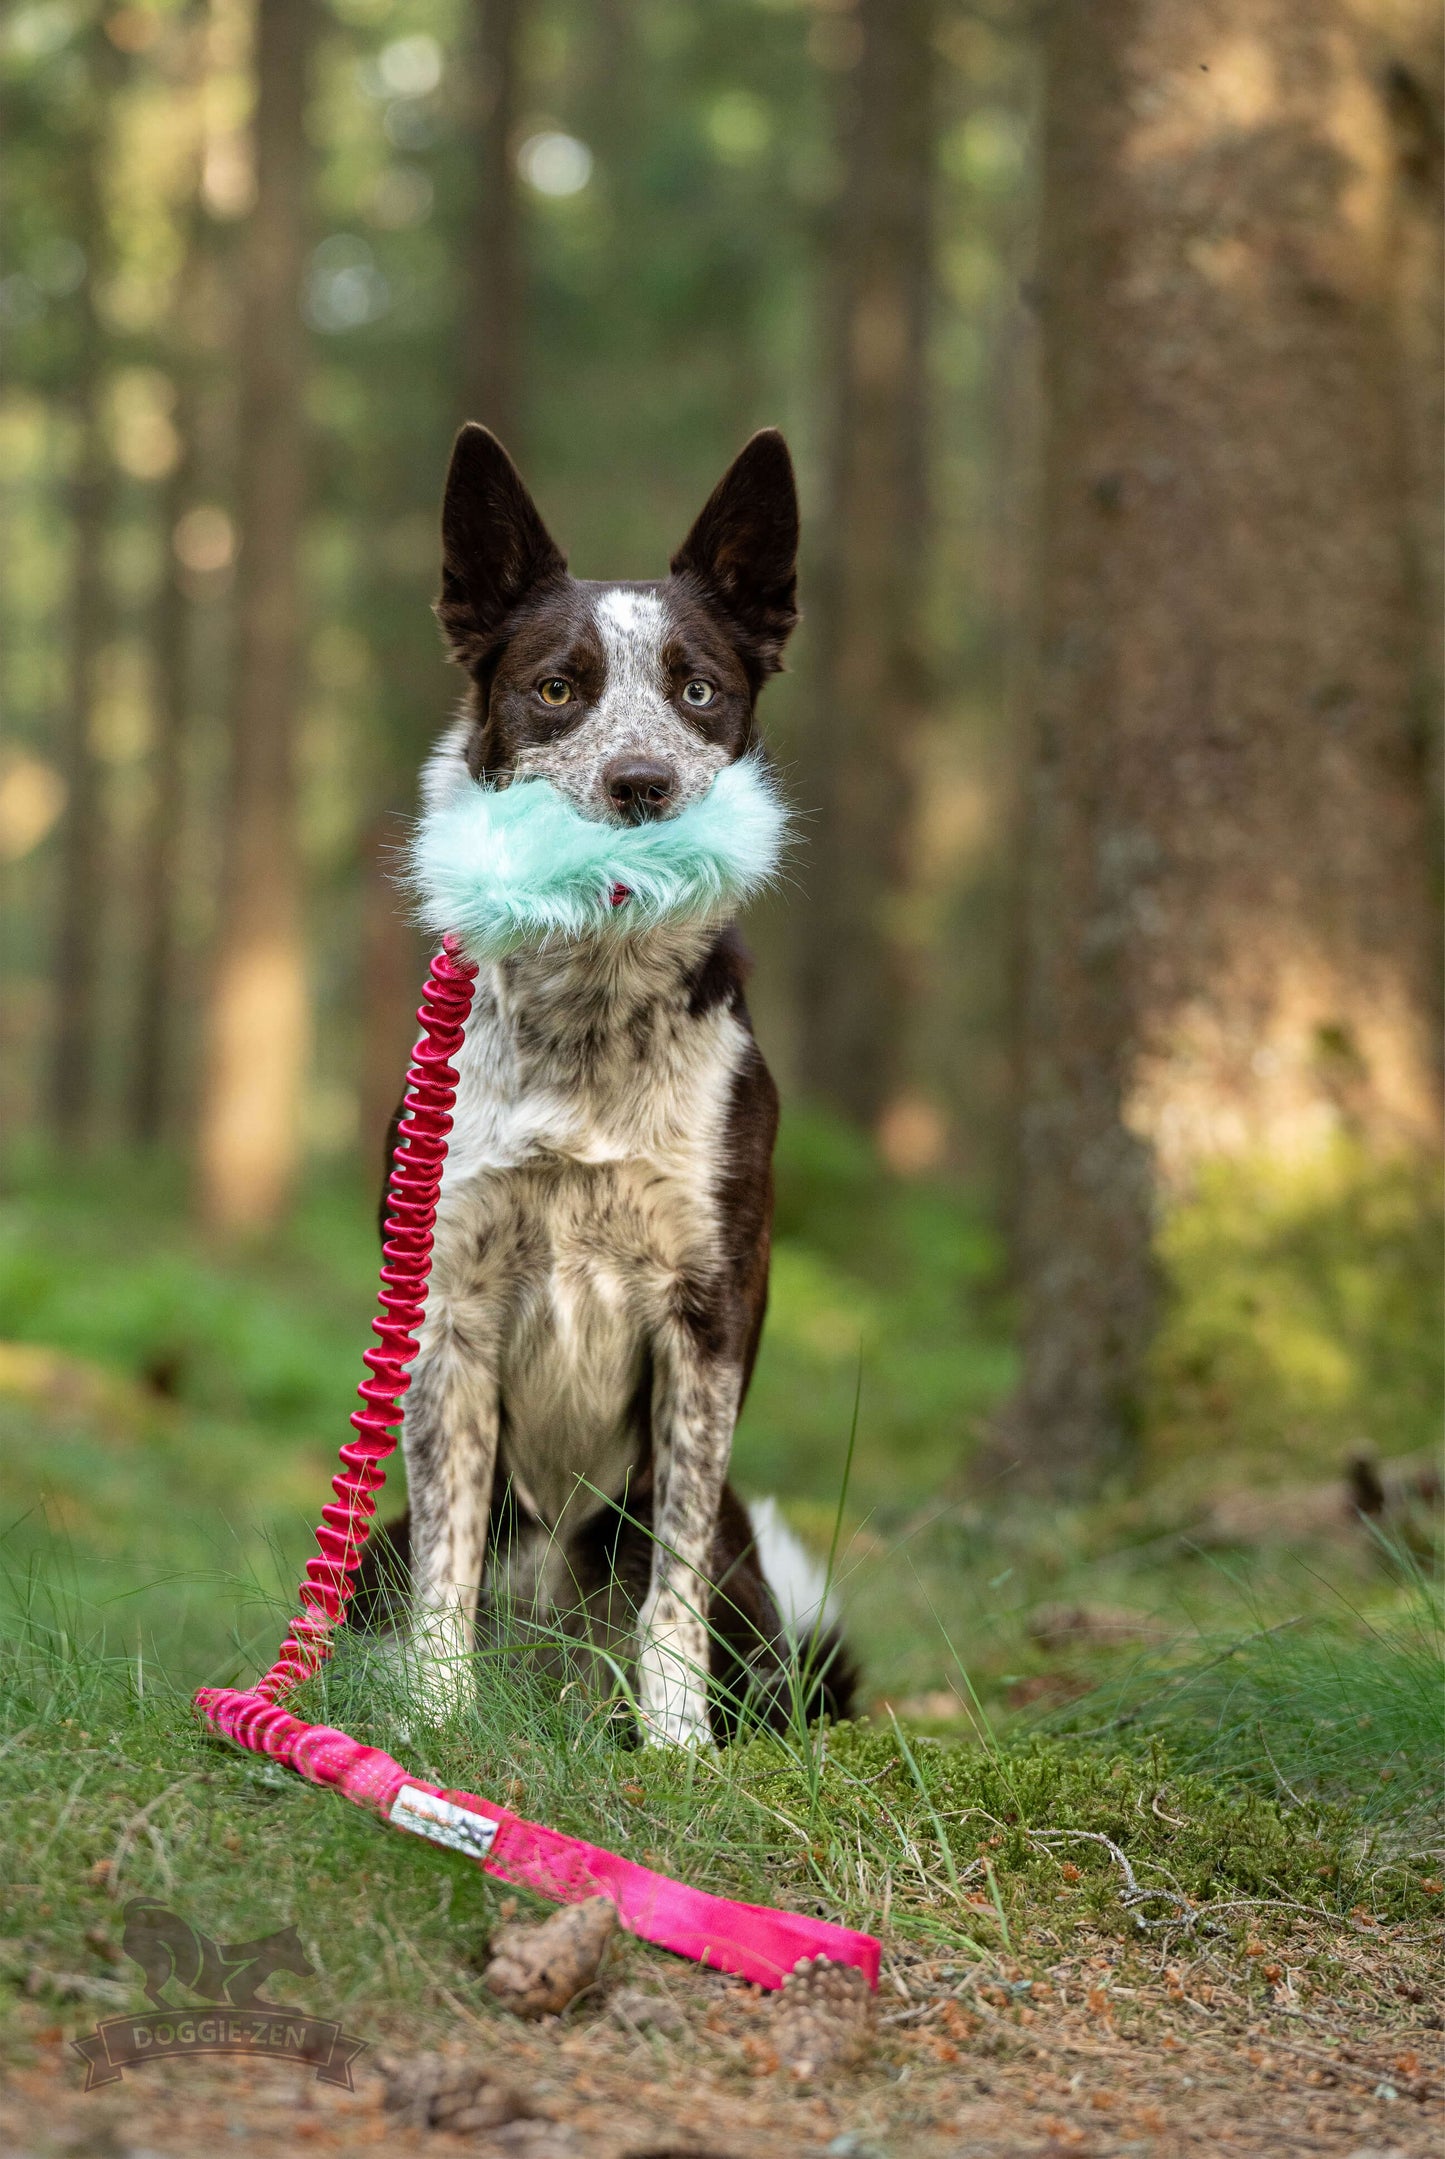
(619, 895)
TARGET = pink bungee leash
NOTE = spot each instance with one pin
(751, 1940)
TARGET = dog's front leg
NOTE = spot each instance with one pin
(450, 1439)
(695, 1406)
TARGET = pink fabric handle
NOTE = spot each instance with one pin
(748, 1939)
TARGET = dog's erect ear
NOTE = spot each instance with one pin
(495, 547)
(743, 549)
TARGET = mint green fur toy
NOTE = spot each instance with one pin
(515, 867)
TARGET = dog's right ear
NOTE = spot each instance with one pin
(495, 547)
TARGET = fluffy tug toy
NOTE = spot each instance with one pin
(504, 868)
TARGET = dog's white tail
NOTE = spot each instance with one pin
(798, 1583)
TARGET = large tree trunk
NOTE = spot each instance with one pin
(867, 686)
(492, 328)
(1408, 55)
(80, 907)
(248, 1140)
(1232, 944)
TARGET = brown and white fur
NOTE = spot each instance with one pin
(602, 1243)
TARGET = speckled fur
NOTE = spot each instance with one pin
(635, 711)
(577, 1239)
(600, 1267)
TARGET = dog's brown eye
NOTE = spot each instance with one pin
(698, 693)
(554, 691)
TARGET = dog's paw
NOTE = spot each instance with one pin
(661, 1730)
(438, 1692)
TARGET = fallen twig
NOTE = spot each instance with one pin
(139, 1821)
(1133, 1893)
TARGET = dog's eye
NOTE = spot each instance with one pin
(554, 691)
(698, 693)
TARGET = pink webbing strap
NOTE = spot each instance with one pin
(750, 1940)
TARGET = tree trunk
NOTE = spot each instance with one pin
(161, 839)
(248, 1141)
(492, 365)
(1231, 939)
(1409, 59)
(171, 659)
(81, 869)
(866, 597)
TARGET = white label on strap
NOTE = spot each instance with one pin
(427, 1816)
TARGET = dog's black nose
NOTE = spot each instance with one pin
(639, 787)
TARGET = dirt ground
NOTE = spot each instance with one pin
(1152, 2050)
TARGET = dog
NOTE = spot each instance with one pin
(600, 1268)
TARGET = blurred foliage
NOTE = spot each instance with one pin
(258, 1357)
(172, 1415)
(678, 176)
(1302, 1317)
(887, 1293)
(677, 171)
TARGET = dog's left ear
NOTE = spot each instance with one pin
(743, 549)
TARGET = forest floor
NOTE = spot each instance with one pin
(1099, 2047)
(1238, 1712)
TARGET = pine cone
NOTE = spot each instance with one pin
(826, 2019)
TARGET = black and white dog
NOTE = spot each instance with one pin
(602, 1244)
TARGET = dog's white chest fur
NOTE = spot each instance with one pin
(580, 1191)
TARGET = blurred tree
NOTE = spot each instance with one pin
(409, 689)
(81, 914)
(170, 628)
(249, 1129)
(1233, 943)
(614, 119)
(867, 594)
(667, 216)
(491, 351)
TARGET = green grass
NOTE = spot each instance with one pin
(1331, 1703)
(169, 1425)
(112, 1789)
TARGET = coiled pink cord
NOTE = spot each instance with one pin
(412, 1192)
(751, 1940)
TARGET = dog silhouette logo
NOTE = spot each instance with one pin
(171, 1952)
(223, 2010)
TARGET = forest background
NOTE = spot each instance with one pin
(1104, 988)
(1104, 994)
